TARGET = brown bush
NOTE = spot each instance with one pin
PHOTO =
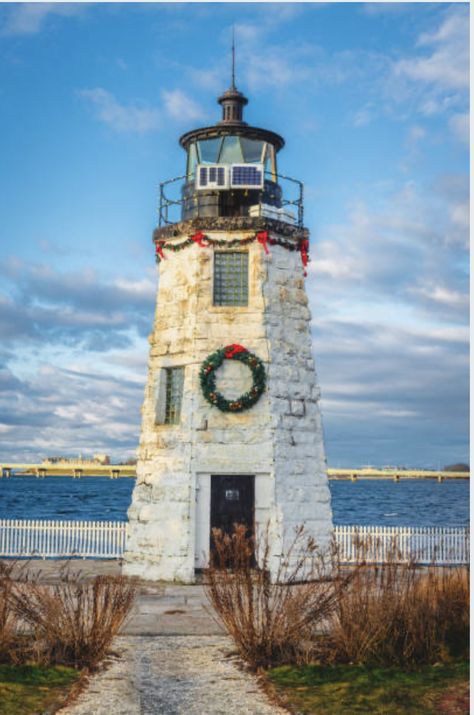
(391, 614)
(73, 622)
(9, 626)
(400, 614)
(271, 622)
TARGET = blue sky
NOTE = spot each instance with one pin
(373, 102)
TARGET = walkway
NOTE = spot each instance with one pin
(173, 675)
(171, 658)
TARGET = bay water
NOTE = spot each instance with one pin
(417, 502)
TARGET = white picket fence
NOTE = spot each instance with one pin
(47, 538)
(422, 544)
(29, 538)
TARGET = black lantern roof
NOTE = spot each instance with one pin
(232, 124)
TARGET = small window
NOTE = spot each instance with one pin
(231, 278)
(174, 394)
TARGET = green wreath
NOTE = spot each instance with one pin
(207, 376)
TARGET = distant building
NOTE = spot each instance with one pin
(96, 459)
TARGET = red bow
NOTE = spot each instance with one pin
(199, 238)
(231, 350)
(304, 248)
(264, 238)
(159, 250)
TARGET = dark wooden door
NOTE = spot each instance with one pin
(232, 502)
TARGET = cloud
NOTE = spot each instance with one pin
(363, 116)
(40, 304)
(121, 117)
(181, 107)
(30, 18)
(446, 62)
(74, 361)
(58, 410)
(391, 394)
(459, 125)
(138, 117)
(389, 292)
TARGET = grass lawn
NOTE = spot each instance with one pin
(32, 690)
(347, 690)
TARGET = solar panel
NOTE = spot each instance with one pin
(203, 176)
(247, 176)
(214, 176)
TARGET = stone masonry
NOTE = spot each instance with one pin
(279, 440)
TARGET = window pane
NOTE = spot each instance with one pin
(231, 152)
(209, 150)
(192, 160)
(252, 150)
(174, 394)
(270, 163)
(231, 278)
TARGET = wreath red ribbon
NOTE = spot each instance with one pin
(232, 350)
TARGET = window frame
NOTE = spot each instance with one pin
(241, 305)
(164, 415)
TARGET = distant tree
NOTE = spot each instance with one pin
(458, 467)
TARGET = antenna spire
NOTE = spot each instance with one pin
(233, 57)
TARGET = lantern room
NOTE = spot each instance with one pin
(232, 170)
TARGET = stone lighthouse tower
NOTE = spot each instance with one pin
(231, 427)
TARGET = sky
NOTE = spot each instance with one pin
(373, 102)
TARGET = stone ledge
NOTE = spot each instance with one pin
(229, 223)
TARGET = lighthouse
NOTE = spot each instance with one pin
(231, 425)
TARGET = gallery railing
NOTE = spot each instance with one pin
(281, 199)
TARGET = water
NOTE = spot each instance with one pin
(418, 502)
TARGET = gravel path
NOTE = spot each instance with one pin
(173, 675)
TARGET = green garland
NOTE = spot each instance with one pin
(204, 241)
(207, 376)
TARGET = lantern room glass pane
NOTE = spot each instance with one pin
(231, 152)
(231, 278)
(270, 161)
(252, 150)
(174, 394)
(209, 150)
(192, 161)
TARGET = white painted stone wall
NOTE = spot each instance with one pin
(279, 440)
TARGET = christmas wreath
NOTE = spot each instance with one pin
(208, 378)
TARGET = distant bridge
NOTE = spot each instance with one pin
(395, 474)
(67, 469)
(114, 471)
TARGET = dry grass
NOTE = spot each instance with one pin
(402, 615)
(73, 622)
(9, 621)
(390, 615)
(271, 622)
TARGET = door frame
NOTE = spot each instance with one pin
(264, 501)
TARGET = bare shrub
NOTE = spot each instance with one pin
(399, 614)
(74, 621)
(9, 627)
(271, 622)
(396, 613)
